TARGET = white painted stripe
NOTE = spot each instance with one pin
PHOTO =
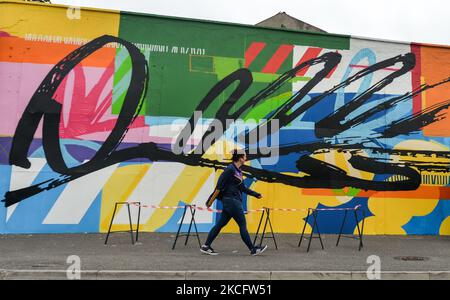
(166, 131)
(78, 196)
(151, 190)
(22, 178)
(298, 53)
(378, 49)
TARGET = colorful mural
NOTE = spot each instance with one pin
(94, 105)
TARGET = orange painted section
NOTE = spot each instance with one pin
(435, 65)
(19, 50)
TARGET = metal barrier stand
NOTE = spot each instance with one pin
(360, 230)
(129, 219)
(266, 213)
(311, 212)
(192, 210)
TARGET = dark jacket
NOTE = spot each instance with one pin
(230, 185)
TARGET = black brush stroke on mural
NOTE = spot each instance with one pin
(318, 174)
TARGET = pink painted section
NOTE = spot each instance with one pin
(18, 82)
(134, 135)
(86, 95)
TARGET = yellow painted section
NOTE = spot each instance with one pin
(19, 18)
(445, 227)
(118, 189)
(185, 188)
(392, 214)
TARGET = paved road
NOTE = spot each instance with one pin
(153, 253)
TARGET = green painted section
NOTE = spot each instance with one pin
(261, 110)
(352, 192)
(187, 58)
(122, 77)
(268, 78)
(224, 66)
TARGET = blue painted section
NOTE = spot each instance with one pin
(5, 170)
(431, 223)
(322, 109)
(330, 221)
(363, 55)
(30, 214)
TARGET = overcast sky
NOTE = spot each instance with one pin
(425, 21)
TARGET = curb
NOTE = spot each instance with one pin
(219, 275)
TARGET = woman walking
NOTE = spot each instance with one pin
(229, 189)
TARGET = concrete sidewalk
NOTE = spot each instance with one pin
(45, 257)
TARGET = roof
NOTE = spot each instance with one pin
(283, 20)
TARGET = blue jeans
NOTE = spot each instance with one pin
(232, 208)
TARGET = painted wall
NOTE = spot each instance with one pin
(92, 102)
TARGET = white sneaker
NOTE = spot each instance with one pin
(208, 250)
(258, 250)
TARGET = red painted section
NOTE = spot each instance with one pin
(311, 53)
(277, 59)
(252, 52)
